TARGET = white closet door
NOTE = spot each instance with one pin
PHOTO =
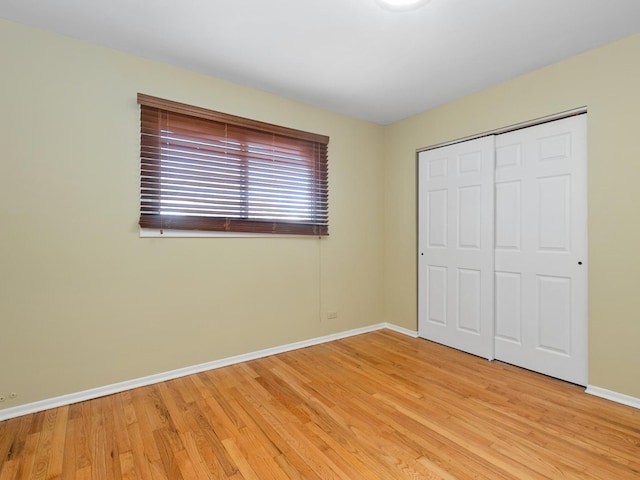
(456, 246)
(541, 247)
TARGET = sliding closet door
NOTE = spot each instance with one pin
(540, 249)
(455, 250)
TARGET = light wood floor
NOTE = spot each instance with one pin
(376, 406)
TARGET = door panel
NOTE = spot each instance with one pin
(469, 300)
(437, 218)
(508, 307)
(541, 240)
(554, 314)
(455, 265)
(437, 294)
(469, 217)
(508, 216)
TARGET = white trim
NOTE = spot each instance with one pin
(511, 128)
(613, 396)
(404, 331)
(182, 372)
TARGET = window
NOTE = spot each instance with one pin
(206, 170)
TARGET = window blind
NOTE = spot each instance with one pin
(205, 170)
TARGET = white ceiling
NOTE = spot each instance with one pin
(350, 56)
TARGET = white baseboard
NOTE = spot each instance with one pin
(613, 396)
(182, 372)
(404, 331)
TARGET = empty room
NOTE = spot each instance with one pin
(350, 239)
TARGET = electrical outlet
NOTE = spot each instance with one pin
(2, 398)
(13, 395)
(332, 314)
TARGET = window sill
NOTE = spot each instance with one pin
(166, 233)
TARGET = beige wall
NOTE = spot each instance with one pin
(607, 81)
(85, 302)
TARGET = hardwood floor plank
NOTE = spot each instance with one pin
(58, 443)
(8, 435)
(243, 465)
(9, 470)
(203, 421)
(128, 466)
(84, 473)
(202, 467)
(375, 406)
(168, 446)
(26, 468)
(69, 461)
(141, 458)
